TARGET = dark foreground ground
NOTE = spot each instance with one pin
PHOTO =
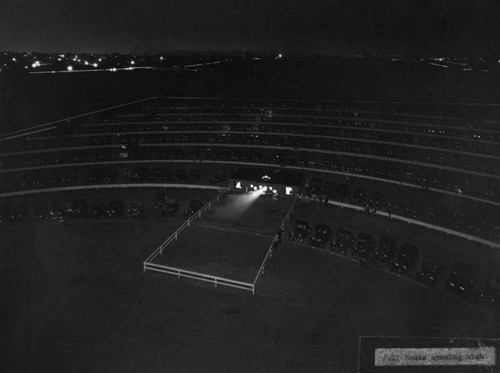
(74, 298)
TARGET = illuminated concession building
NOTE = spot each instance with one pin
(271, 181)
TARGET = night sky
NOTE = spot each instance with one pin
(411, 27)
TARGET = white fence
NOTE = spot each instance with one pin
(216, 280)
(179, 272)
(271, 247)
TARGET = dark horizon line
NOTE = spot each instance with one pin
(253, 52)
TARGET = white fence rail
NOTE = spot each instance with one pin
(179, 272)
(187, 223)
(216, 280)
(271, 247)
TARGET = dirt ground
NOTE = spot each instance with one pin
(75, 298)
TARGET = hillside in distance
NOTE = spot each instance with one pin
(28, 99)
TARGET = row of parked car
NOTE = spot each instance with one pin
(435, 178)
(438, 155)
(102, 175)
(476, 223)
(160, 207)
(405, 259)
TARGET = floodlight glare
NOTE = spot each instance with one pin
(264, 188)
(288, 191)
(238, 185)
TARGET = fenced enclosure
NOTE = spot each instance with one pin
(210, 252)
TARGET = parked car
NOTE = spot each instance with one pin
(461, 279)
(170, 207)
(96, 211)
(218, 178)
(387, 248)
(365, 247)
(341, 191)
(322, 236)
(344, 240)
(194, 175)
(407, 259)
(430, 273)
(181, 174)
(194, 206)
(301, 231)
(359, 196)
(490, 293)
(79, 207)
(135, 210)
(377, 200)
(115, 208)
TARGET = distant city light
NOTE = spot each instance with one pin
(70, 68)
(62, 55)
(132, 62)
(95, 65)
(59, 59)
(14, 59)
(280, 55)
(100, 59)
(161, 59)
(86, 63)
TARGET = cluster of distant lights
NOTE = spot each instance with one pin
(76, 60)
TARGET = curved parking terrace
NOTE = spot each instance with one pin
(101, 135)
(492, 175)
(251, 163)
(218, 188)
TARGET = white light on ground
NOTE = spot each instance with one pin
(288, 191)
(70, 68)
(238, 185)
